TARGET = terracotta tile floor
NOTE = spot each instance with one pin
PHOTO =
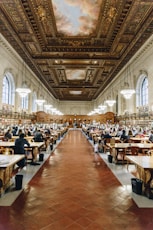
(69, 192)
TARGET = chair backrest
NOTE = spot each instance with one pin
(132, 150)
(107, 140)
(150, 152)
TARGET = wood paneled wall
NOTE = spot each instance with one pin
(42, 117)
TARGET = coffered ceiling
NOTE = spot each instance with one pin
(76, 47)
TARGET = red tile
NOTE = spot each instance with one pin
(69, 192)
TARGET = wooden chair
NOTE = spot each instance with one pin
(132, 151)
(150, 152)
(107, 148)
(120, 153)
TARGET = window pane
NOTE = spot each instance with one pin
(144, 92)
(25, 101)
(5, 90)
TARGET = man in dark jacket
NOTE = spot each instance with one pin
(19, 148)
(38, 137)
(8, 135)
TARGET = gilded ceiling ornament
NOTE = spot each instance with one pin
(41, 13)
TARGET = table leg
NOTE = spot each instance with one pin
(35, 151)
(147, 184)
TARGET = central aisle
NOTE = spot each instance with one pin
(69, 192)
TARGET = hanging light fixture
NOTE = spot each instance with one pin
(40, 102)
(102, 107)
(24, 90)
(53, 111)
(127, 92)
(97, 111)
(110, 102)
(48, 107)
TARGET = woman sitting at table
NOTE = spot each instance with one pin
(124, 137)
(20, 143)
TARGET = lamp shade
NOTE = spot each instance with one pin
(48, 106)
(102, 107)
(23, 92)
(127, 93)
(40, 102)
(110, 102)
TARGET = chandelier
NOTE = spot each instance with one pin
(48, 107)
(110, 102)
(102, 107)
(127, 93)
(40, 102)
(24, 90)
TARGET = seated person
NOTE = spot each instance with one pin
(130, 134)
(27, 132)
(38, 137)
(8, 135)
(119, 132)
(19, 149)
(101, 146)
(151, 136)
(107, 137)
(14, 130)
(19, 131)
(124, 137)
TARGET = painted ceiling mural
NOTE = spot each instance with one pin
(74, 18)
(76, 47)
(75, 74)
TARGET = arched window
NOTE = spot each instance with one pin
(34, 105)
(24, 102)
(8, 89)
(5, 91)
(142, 91)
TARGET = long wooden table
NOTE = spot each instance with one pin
(34, 146)
(144, 166)
(7, 163)
(7, 144)
(28, 138)
(139, 139)
(124, 146)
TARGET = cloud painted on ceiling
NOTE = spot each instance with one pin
(76, 17)
(75, 74)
